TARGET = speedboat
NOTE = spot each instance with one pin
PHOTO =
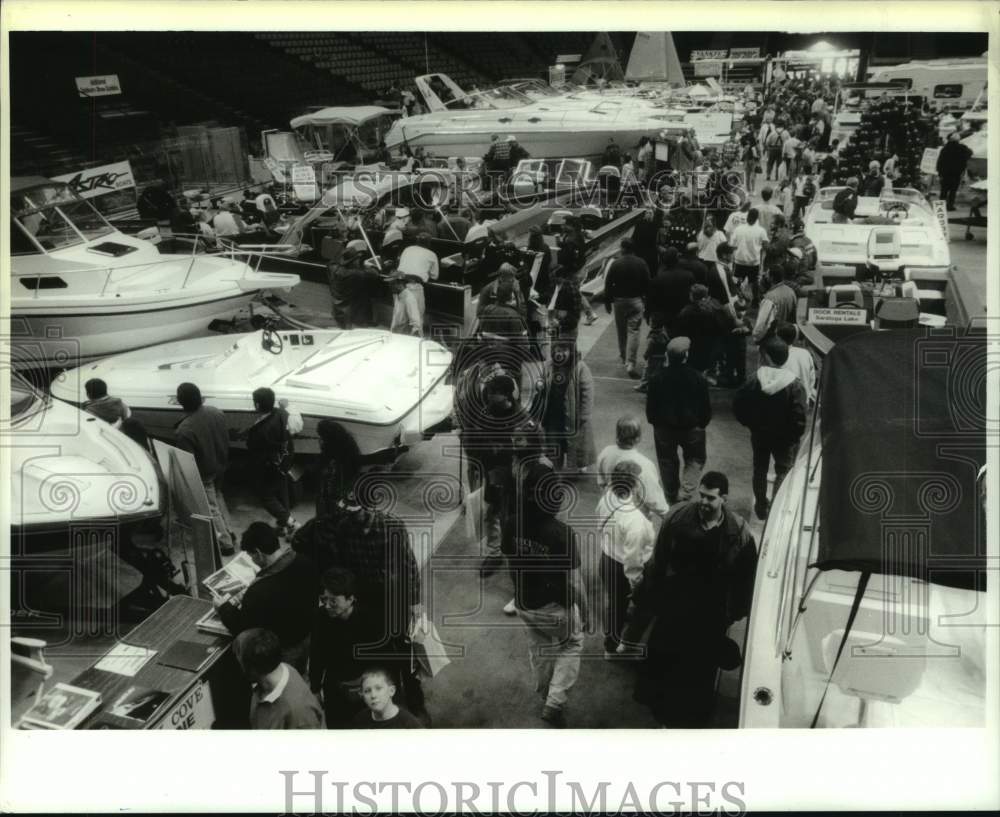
(80, 289)
(387, 390)
(465, 123)
(870, 605)
(71, 468)
(897, 235)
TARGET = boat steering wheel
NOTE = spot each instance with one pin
(271, 340)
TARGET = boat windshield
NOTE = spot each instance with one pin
(56, 218)
(492, 99)
(531, 87)
(24, 400)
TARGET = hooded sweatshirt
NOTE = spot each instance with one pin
(627, 535)
(772, 404)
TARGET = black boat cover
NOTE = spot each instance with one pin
(903, 423)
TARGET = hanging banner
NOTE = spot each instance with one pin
(106, 85)
(96, 181)
(714, 54)
(744, 53)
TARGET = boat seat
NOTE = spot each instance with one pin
(897, 313)
(884, 248)
(842, 295)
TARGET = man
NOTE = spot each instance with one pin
(544, 561)
(873, 181)
(951, 163)
(800, 361)
(419, 223)
(771, 148)
(503, 291)
(698, 582)
(701, 321)
(779, 305)
(280, 699)
(749, 241)
(625, 289)
(690, 260)
(669, 291)
(628, 432)
(679, 409)
(407, 314)
(828, 166)
(612, 155)
(570, 260)
(846, 202)
(736, 218)
(205, 433)
(349, 637)
(281, 598)
(352, 286)
(457, 226)
(772, 405)
(767, 209)
(269, 443)
(112, 410)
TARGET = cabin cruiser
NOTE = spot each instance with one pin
(466, 122)
(870, 604)
(387, 390)
(72, 468)
(80, 289)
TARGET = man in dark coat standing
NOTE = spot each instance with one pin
(698, 582)
(679, 408)
(951, 162)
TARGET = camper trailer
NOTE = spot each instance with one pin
(955, 83)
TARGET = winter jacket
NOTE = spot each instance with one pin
(268, 440)
(677, 398)
(772, 403)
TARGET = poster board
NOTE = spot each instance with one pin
(928, 162)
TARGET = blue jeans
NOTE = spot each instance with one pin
(628, 320)
(554, 653)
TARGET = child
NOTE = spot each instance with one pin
(627, 538)
(377, 690)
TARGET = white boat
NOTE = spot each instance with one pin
(897, 232)
(912, 637)
(467, 122)
(385, 389)
(80, 289)
(69, 467)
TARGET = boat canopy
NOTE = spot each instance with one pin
(354, 116)
(903, 428)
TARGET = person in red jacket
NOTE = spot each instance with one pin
(772, 404)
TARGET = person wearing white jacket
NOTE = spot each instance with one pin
(627, 539)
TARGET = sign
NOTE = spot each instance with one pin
(842, 317)
(744, 53)
(95, 181)
(928, 162)
(304, 183)
(941, 211)
(194, 711)
(707, 69)
(661, 152)
(716, 54)
(106, 85)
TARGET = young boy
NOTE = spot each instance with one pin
(378, 689)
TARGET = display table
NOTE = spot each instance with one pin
(212, 695)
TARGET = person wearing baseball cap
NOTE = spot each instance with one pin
(679, 409)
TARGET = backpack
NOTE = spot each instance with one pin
(773, 139)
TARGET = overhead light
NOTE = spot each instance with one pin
(822, 45)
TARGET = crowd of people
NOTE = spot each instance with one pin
(717, 288)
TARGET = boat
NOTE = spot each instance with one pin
(464, 123)
(387, 390)
(80, 289)
(869, 607)
(70, 468)
(896, 235)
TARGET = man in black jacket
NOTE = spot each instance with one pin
(678, 407)
(772, 404)
(951, 162)
(282, 597)
(270, 446)
(625, 288)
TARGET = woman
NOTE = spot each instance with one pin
(568, 388)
